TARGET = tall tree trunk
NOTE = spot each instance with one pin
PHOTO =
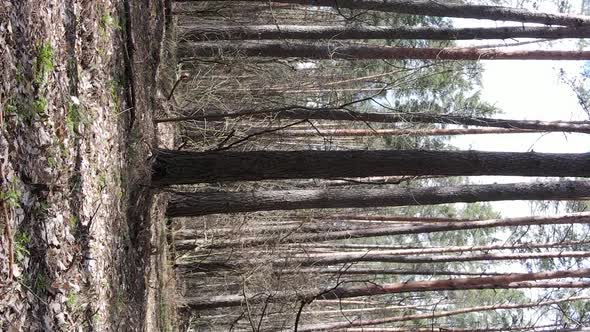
(495, 282)
(374, 252)
(342, 258)
(392, 132)
(334, 114)
(429, 8)
(431, 316)
(385, 271)
(574, 218)
(182, 167)
(535, 327)
(307, 32)
(198, 204)
(393, 218)
(188, 50)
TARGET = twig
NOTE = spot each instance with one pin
(263, 311)
(180, 79)
(298, 317)
(221, 148)
(32, 292)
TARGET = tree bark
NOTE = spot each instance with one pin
(308, 251)
(495, 282)
(198, 204)
(392, 132)
(295, 113)
(188, 50)
(339, 258)
(384, 271)
(554, 328)
(431, 316)
(573, 218)
(307, 32)
(377, 218)
(440, 9)
(183, 167)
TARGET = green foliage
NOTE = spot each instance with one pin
(106, 22)
(43, 63)
(10, 109)
(113, 87)
(40, 285)
(40, 105)
(73, 117)
(102, 180)
(11, 196)
(73, 221)
(580, 86)
(21, 243)
(26, 109)
(574, 313)
(71, 301)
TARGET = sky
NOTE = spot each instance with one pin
(530, 90)
(527, 90)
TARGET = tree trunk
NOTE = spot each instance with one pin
(385, 271)
(340, 258)
(392, 132)
(198, 204)
(432, 316)
(188, 50)
(333, 114)
(259, 32)
(574, 218)
(429, 8)
(383, 218)
(378, 257)
(495, 282)
(535, 327)
(182, 167)
(374, 252)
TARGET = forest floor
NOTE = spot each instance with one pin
(83, 235)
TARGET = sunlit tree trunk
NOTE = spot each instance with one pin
(430, 8)
(256, 32)
(342, 258)
(575, 218)
(195, 204)
(340, 115)
(494, 282)
(188, 50)
(385, 271)
(369, 322)
(394, 132)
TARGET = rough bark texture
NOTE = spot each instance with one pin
(197, 204)
(258, 32)
(374, 249)
(573, 218)
(386, 258)
(495, 282)
(392, 132)
(445, 9)
(384, 271)
(180, 167)
(367, 322)
(339, 115)
(187, 50)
